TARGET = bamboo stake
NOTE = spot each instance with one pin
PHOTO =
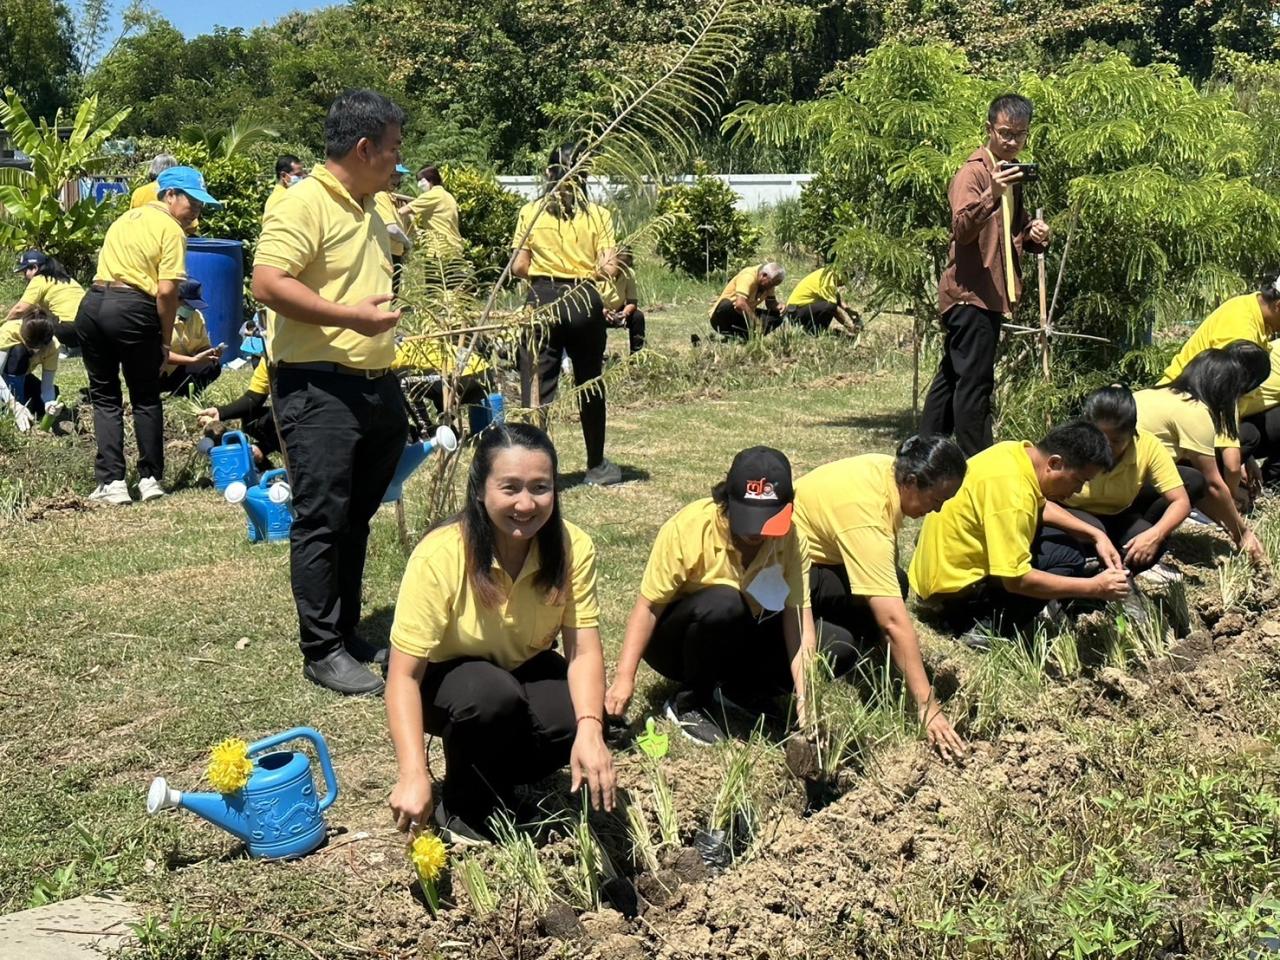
(915, 368)
(1044, 310)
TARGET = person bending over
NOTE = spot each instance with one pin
(979, 561)
(849, 514)
(815, 304)
(723, 608)
(622, 301)
(52, 288)
(1124, 516)
(1195, 418)
(485, 599)
(24, 345)
(737, 314)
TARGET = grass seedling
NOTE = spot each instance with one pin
(644, 852)
(736, 808)
(1006, 677)
(471, 874)
(1064, 653)
(518, 864)
(583, 878)
(664, 806)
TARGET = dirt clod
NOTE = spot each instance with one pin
(561, 922)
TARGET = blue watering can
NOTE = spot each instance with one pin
(413, 457)
(269, 516)
(232, 461)
(492, 410)
(276, 813)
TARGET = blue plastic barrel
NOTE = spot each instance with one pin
(219, 266)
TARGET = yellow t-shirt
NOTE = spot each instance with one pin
(274, 197)
(190, 336)
(819, 285)
(260, 382)
(386, 205)
(149, 192)
(848, 514)
(60, 299)
(1240, 318)
(1146, 461)
(439, 617)
(694, 551)
(619, 291)
(320, 235)
(11, 336)
(435, 213)
(143, 247)
(986, 529)
(745, 284)
(568, 249)
(1182, 424)
(435, 355)
(1267, 395)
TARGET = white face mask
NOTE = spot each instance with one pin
(294, 178)
(770, 588)
(424, 185)
(185, 313)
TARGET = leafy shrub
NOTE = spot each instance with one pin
(486, 216)
(702, 232)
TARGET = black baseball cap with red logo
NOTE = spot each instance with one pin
(760, 493)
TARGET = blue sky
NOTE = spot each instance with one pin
(194, 17)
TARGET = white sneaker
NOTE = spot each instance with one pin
(149, 488)
(114, 492)
(1159, 575)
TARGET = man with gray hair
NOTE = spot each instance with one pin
(736, 314)
(147, 192)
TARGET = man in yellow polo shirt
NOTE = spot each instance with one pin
(1254, 317)
(289, 172)
(815, 304)
(323, 265)
(148, 192)
(737, 313)
(980, 562)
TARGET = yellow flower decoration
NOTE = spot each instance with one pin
(429, 857)
(229, 765)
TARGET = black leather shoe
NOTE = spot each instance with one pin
(366, 652)
(342, 673)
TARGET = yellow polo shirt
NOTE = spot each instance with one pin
(143, 247)
(190, 336)
(1145, 461)
(274, 197)
(986, 529)
(819, 285)
(1182, 424)
(11, 336)
(338, 247)
(60, 299)
(1267, 395)
(149, 192)
(439, 617)
(745, 284)
(435, 214)
(1240, 318)
(260, 382)
(693, 551)
(386, 205)
(848, 514)
(619, 291)
(435, 354)
(569, 249)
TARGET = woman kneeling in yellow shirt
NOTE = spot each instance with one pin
(724, 604)
(483, 600)
(1129, 511)
(849, 513)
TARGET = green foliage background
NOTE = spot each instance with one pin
(700, 233)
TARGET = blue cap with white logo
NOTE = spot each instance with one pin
(189, 181)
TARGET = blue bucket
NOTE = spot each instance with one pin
(219, 266)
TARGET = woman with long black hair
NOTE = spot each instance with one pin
(51, 288)
(564, 244)
(484, 600)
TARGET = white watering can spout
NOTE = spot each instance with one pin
(161, 796)
(236, 491)
(446, 439)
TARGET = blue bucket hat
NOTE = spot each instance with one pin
(32, 258)
(189, 181)
(191, 294)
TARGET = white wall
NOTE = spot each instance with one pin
(754, 190)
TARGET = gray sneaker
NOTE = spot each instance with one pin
(604, 474)
(692, 719)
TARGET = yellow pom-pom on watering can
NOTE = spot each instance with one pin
(429, 860)
(229, 765)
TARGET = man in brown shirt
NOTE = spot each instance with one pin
(990, 230)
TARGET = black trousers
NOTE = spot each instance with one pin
(120, 332)
(959, 400)
(989, 604)
(1260, 436)
(712, 638)
(728, 321)
(578, 330)
(260, 427)
(813, 317)
(343, 436)
(180, 381)
(1120, 528)
(834, 602)
(500, 728)
(634, 324)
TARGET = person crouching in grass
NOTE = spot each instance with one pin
(193, 362)
(724, 607)
(980, 561)
(24, 345)
(484, 599)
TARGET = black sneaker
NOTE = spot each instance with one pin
(603, 474)
(692, 719)
(342, 673)
(453, 829)
(745, 704)
(366, 652)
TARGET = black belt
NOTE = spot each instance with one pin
(535, 279)
(340, 368)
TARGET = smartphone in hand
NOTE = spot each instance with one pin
(1030, 171)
